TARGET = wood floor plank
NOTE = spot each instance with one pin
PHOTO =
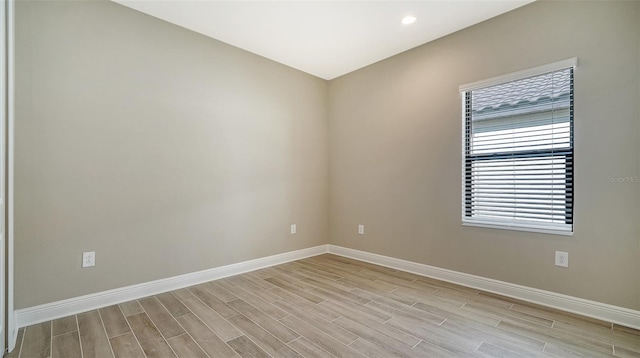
(261, 274)
(247, 349)
(321, 339)
(439, 283)
(386, 275)
(431, 299)
(561, 351)
(357, 316)
(222, 328)
(212, 301)
(371, 350)
(371, 287)
(114, 322)
(313, 272)
(320, 324)
(219, 291)
(308, 349)
(149, 337)
(257, 280)
(348, 309)
(383, 341)
(64, 325)
(130, 308)
(262, 338)
(205, 337)
(470, 297)
(292, 277)
(37, 341)
(452, 312)
(256, 302)
(497, 352)
(295, 290)
(625, 353)
(272, 326)
(324, 290)
(325, 268)
(364, 275)
(183, 294)
(172, 304)
(162, 319)
(185, 347)
(504, 339)
(326, 282)
(600, 333)
(265, 294)
(568, 342)
(426, 349)
(367, 283)
(326, 262)
(416, 289)
(481, 331)
(557, 315)
(450, 341)
(93, 337)
(619, 328)
(305, 304)
(126, 346)
(508, 315)
(417, 317)
(66, 346)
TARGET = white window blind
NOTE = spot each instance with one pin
(518, 153)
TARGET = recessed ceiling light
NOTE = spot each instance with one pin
(408, 20)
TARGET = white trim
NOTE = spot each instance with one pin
(11, 329)
(3, 128)
(614, 314)
(570, 62)
(516, 227)
(602, 311)
(49, 311)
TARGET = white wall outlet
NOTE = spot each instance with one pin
(88, 259)
(361, 229)
(294, 229)
(562, 259)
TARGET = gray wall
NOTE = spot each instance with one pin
(164, 151)
(395, 151)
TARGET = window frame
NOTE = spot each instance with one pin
(467, 88)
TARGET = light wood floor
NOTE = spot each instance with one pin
(326, 306)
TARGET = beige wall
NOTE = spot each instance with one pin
(164, 151)
(395, 151)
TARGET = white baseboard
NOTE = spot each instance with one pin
(54, 310)
(609, 313)
(49, 311)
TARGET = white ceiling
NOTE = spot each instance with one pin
(324, 38)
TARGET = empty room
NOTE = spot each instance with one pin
(319, 178)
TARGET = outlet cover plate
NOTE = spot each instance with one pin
(89, 259)
(562, 259)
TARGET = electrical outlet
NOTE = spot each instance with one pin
(294, 229)
(361, 229)
(562, 259)
(88, 259)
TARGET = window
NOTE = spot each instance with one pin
(518, 150)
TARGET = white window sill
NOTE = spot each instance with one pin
(541, 230)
